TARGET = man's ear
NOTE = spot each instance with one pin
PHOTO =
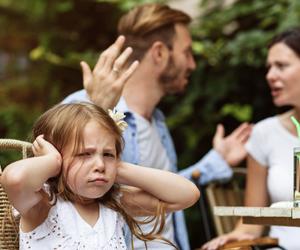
(159, 53)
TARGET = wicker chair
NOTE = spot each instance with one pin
(9, 236)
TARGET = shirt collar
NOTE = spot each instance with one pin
(122, 107)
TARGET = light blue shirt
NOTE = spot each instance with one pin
(212, 166)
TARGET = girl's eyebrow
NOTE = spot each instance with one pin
(89, 148)
(109, 149)
(92, 148)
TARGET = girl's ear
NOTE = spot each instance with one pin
(159, 53)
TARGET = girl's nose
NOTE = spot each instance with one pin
(99, 163)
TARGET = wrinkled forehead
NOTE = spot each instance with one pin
(92, 134)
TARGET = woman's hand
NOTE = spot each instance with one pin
(217, 242)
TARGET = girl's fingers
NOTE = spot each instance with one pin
(35, 144)
(40, 140)
(33, 150)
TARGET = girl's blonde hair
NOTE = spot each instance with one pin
(64, 124)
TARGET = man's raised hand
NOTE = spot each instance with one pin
(105, 83)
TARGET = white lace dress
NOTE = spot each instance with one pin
(65, 229)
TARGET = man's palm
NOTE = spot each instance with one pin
(232, 147)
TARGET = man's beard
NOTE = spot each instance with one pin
(169, 77)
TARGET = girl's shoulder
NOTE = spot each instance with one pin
(42, 232)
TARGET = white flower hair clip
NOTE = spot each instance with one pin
(118, 118)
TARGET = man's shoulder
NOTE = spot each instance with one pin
(78, 96)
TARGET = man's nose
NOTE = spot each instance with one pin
(192, 63)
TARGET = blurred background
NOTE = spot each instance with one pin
(43, 41)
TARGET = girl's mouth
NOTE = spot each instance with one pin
(98, 181)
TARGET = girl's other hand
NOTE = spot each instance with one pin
(42, 147)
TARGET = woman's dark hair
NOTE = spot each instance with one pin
(290, 37)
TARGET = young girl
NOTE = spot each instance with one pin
(77, 151)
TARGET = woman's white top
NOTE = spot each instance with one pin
(271, 145)
(65, 229)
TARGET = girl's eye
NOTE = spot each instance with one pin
(110, 155)
(84, 154)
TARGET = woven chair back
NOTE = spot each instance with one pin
(9, 236)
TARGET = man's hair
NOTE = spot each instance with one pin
(148, 23)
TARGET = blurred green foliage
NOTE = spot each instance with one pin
(43, 41)
(41, 45)
(229, 87)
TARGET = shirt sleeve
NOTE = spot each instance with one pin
(212, 167)
(78, 96)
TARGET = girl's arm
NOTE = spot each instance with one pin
(148, 186)
(24, 179)
(256, 196)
